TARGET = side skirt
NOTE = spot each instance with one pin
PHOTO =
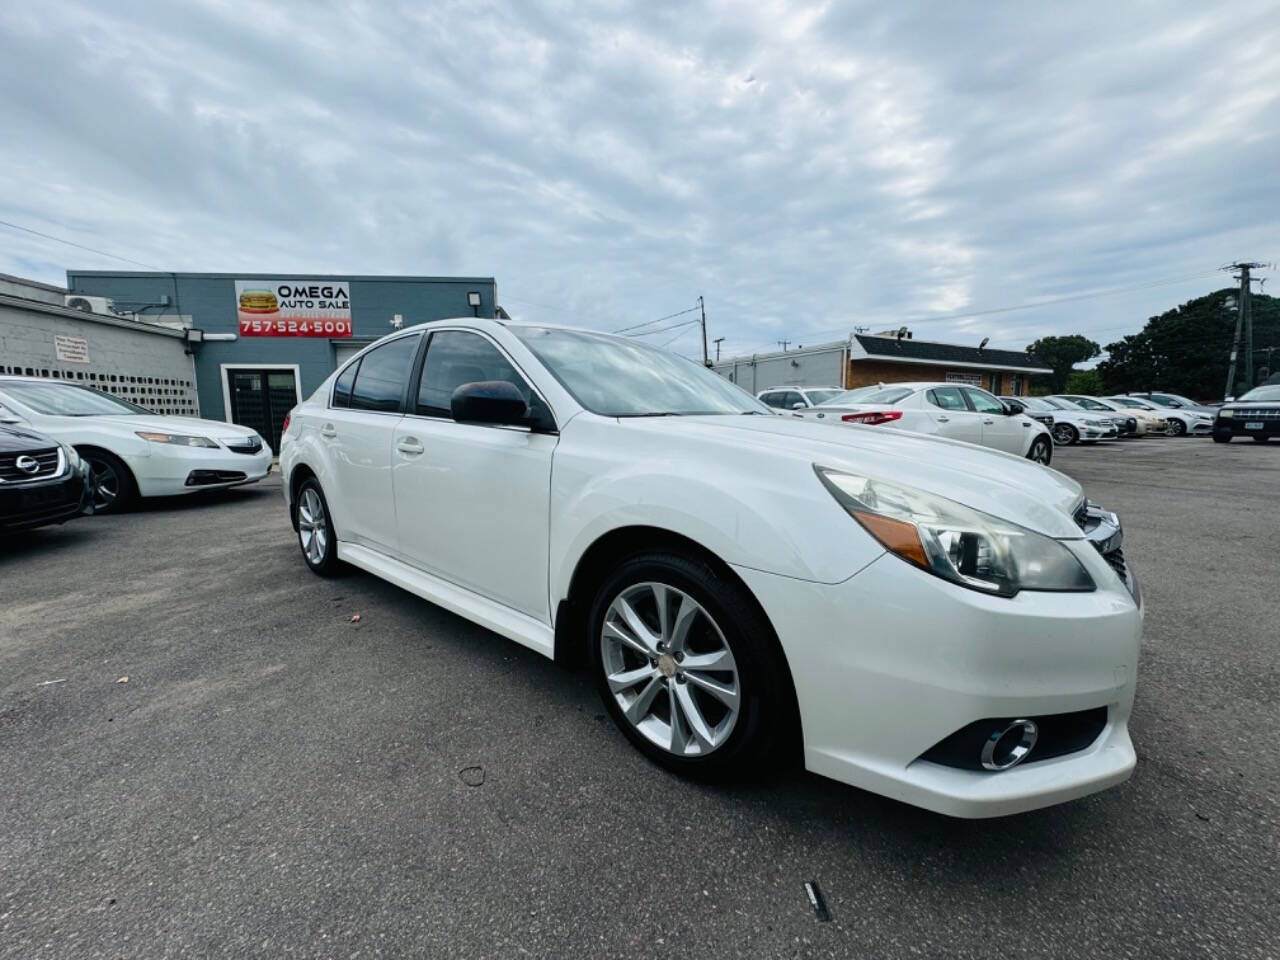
(494, 616)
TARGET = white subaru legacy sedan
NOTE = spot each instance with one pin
(930, 620)
(132, 452)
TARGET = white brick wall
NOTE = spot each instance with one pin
(147, 367)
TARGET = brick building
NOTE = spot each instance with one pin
(865, 359)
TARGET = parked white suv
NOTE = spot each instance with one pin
(731, 575)
(797, 398)
(132, 452)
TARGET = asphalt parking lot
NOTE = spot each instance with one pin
(274, 779)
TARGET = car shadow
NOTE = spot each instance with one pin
(204, 498)
(24, 545)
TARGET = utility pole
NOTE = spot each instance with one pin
(718, 341)
(1244, 322)
(703, 307)
(783, 344)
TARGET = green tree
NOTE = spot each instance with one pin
(1061, 354)
(1086, 382)
(1187, 349)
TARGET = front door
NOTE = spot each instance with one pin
(260, 399)
(1000, 431)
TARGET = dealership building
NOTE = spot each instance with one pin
(244, 348)
(864, 359)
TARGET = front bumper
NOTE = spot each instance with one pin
(1238, 425)
(38, 504)
(168, 470)
(892, 661)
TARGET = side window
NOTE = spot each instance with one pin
(983, 402)
(342, 386)
(382, 375)
(791, 398)
(948, 398)
(455, 357)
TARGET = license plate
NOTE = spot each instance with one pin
(1253, 425)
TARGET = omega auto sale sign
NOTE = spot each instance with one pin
(293, 308)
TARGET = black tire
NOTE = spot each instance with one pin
(114, 489)
(1177, 428)
(1065, 434)
(765, 726)
(1041, 450)
(320, 555)
(1221, 436)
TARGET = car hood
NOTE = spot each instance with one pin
(1001, 484)
(191, 426)
(19, 439)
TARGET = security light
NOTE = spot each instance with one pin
(473, 299)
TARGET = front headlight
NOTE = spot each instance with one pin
(179, 439)
(1226, 414)
(953, 541)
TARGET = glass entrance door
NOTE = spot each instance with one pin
(260, 399)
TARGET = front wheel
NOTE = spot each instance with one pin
(688, 667)
(112, 483)
(1177, 428)
(1041, 450)
(1222, 436)
(315, 530)
(1064, 434)
(1261, 439)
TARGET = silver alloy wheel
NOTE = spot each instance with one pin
(1177, 428)
(670, 669)
(313, 532)
(1040, 451)
(1062, 434)
(106, 484)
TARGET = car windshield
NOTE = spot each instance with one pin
(852, 396)
(1130, 402)
(619, 378)
(821, 396)
(68, 400)
(888, 395)
(1262, 393)
(1032, 403)
(1051, 403)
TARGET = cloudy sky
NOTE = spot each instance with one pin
(805, 167)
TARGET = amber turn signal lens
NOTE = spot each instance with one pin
(897, 536)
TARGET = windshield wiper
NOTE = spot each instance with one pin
(663, 413)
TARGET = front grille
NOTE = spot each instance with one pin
(1116, 559)
(46, 465)
(1262, 413)
(249, 445)
(200, 478)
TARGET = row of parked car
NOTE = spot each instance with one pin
(68, 450)
(1026, 426)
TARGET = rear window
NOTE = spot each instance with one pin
(342, 386)
(889, 395)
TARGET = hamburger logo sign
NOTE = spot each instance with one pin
(293, 308)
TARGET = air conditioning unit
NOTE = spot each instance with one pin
(78, 301)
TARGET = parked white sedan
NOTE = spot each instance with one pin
(1180, 423)
(1070, 423)
(731, 575)
(131, 451)
(948, 410)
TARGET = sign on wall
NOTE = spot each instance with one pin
(293, 308)
(70, 349)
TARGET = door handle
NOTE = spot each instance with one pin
(1026, 423)
(944, 419)
(410, 446)
(988, 421)
(329, 430)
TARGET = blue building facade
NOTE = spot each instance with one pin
(251, 378)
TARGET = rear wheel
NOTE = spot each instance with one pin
(315, 530)
(1041, 450)
(1177, 428)
(688, 667)
(113, 486)
(1064, 434)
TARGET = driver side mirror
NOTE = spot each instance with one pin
(1013, 408)
(797, 406)
(495, 402)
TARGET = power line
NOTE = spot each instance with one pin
(673, 326)
(637, 326)
(81, 246)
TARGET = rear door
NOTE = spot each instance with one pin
(1000, 431)
(358, 431)
(951, 416)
